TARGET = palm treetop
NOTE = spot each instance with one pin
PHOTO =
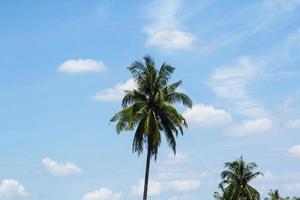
(236, 179)
(149, 108)
(239, 170)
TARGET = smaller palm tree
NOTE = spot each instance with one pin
(237, 178)
(274, 195)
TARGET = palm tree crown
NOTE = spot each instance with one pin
(236, 179)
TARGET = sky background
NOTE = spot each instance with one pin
(63, 72)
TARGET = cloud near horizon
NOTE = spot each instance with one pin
(156, 187)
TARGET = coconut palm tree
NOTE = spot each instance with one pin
(274, 195)
(236, 179)
(149, 110)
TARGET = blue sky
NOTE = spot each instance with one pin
(63, 70)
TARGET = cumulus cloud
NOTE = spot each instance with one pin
(80, 66)
(154, 188)
(61, 169)
(295, 151)
(102, 194)
(116, 93)
(201, 115)
(229, 84)
(165, 30)
(11, 188)
(251, 127)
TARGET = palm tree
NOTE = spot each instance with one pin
(274, 195)
(149, 109)
(223, 195)
(237, 178)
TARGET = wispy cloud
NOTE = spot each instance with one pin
(250, 19)
(184, 185)
(165, 29)
(293, 186)
(229, 83)
(293, 123)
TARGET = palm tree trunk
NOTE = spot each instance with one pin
(147, 174)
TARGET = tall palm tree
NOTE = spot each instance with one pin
(237, 178)
(149, 109)
(274, 195)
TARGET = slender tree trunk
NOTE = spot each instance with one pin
(147, 174)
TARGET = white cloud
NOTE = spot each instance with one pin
(116, 93)
(206, 115)
(154, 188)
(229, 84)
(184, 185)
(61, 169)
(102, 194)
(295, 123)
(171, 39)
(295, 151)
(251, 127)
(11, 188)
(165, 29)
(81, 66)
